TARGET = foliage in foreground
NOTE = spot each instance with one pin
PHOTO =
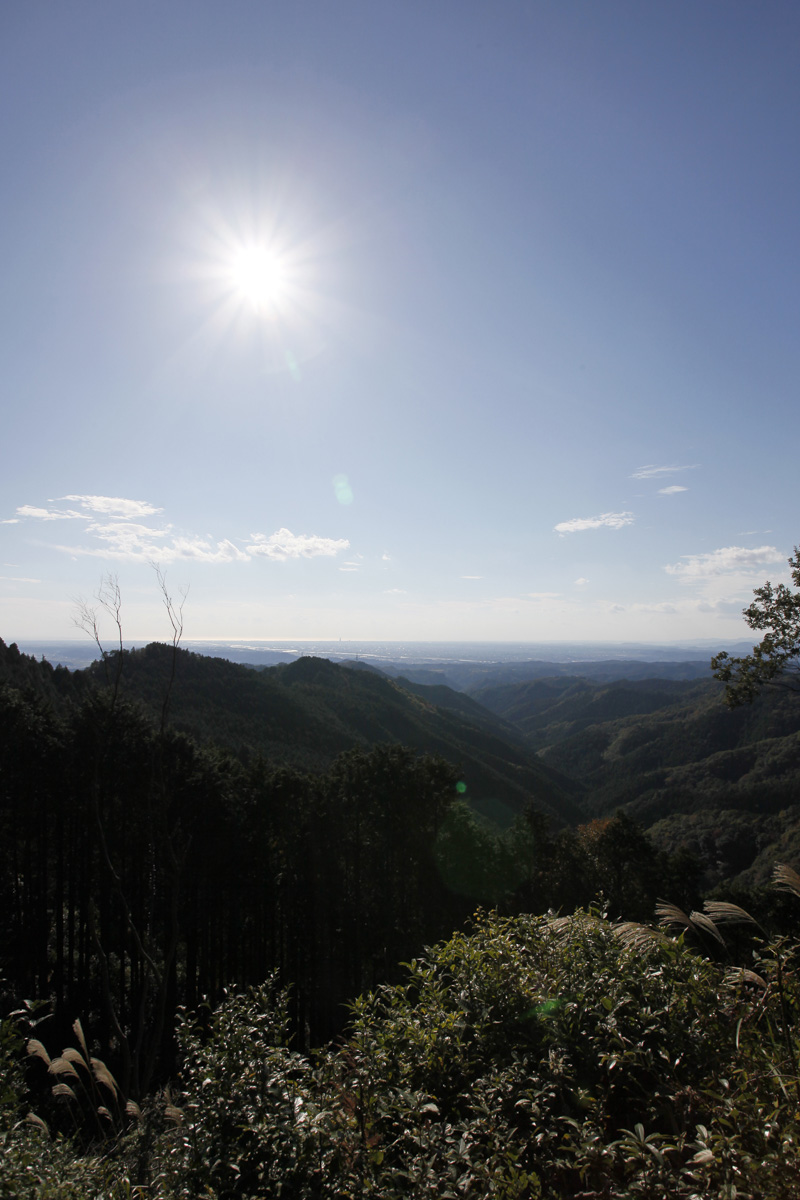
(533, 1057)
(775, 659)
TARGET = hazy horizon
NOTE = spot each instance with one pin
(75, 653)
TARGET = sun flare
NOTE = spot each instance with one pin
(259, 277)
(260, 282)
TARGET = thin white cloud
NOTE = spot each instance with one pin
(609, 520)
(18, 579)
(394, 592)
(670, 491)
(92, 506)
(284, 544)
(202, 551)
(10, 521)
(581, 582)
(721, 607)
(543, 595)
(653, 472)
(112, 530)
(114, 506)
(126, 538)
(725, 561)
(472, 577)
(49, 514)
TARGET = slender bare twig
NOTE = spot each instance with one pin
(86, 616)
(175, 614)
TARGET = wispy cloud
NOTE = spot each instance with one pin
(652, 472)
(727, 560)
(205, 551)
(92, 506)
(609, 520)
(114, 506)
(581, 582)
(124, 534)
(664, 608)
(49, 514)
(472, 577)
(670, 491)
(285, 544)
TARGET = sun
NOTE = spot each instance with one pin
(259, 277)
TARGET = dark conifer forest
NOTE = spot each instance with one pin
(423, 921)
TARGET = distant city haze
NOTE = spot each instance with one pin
(394, 656)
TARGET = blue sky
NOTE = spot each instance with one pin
(400, 320)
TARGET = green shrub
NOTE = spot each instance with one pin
(532, 1058)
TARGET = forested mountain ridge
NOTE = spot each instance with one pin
(471, 676)
(721, 783)
(305, 713)
(622, 738)
(141, 868)
(550, 710)
(693, 743)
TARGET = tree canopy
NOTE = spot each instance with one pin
(774, 659)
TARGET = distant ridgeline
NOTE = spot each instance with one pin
(159, 840)
(721, 783)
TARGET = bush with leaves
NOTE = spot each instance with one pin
(600, 1059)
(531, 1044)
(251, 1118)
(533, 1057)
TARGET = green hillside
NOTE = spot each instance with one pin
(693, 747)
(551, 710)
(305, 713)
(722, 784)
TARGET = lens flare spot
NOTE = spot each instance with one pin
(461, 787)
(548, 1008)
(342, 489)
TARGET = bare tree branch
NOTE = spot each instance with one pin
(86, 617)
(175, 614)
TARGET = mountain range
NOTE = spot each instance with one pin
(722, 783)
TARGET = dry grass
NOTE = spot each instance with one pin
(723, 913)
(74, 1056)
(62, 1066)
(786, 879)
(35, 1047)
